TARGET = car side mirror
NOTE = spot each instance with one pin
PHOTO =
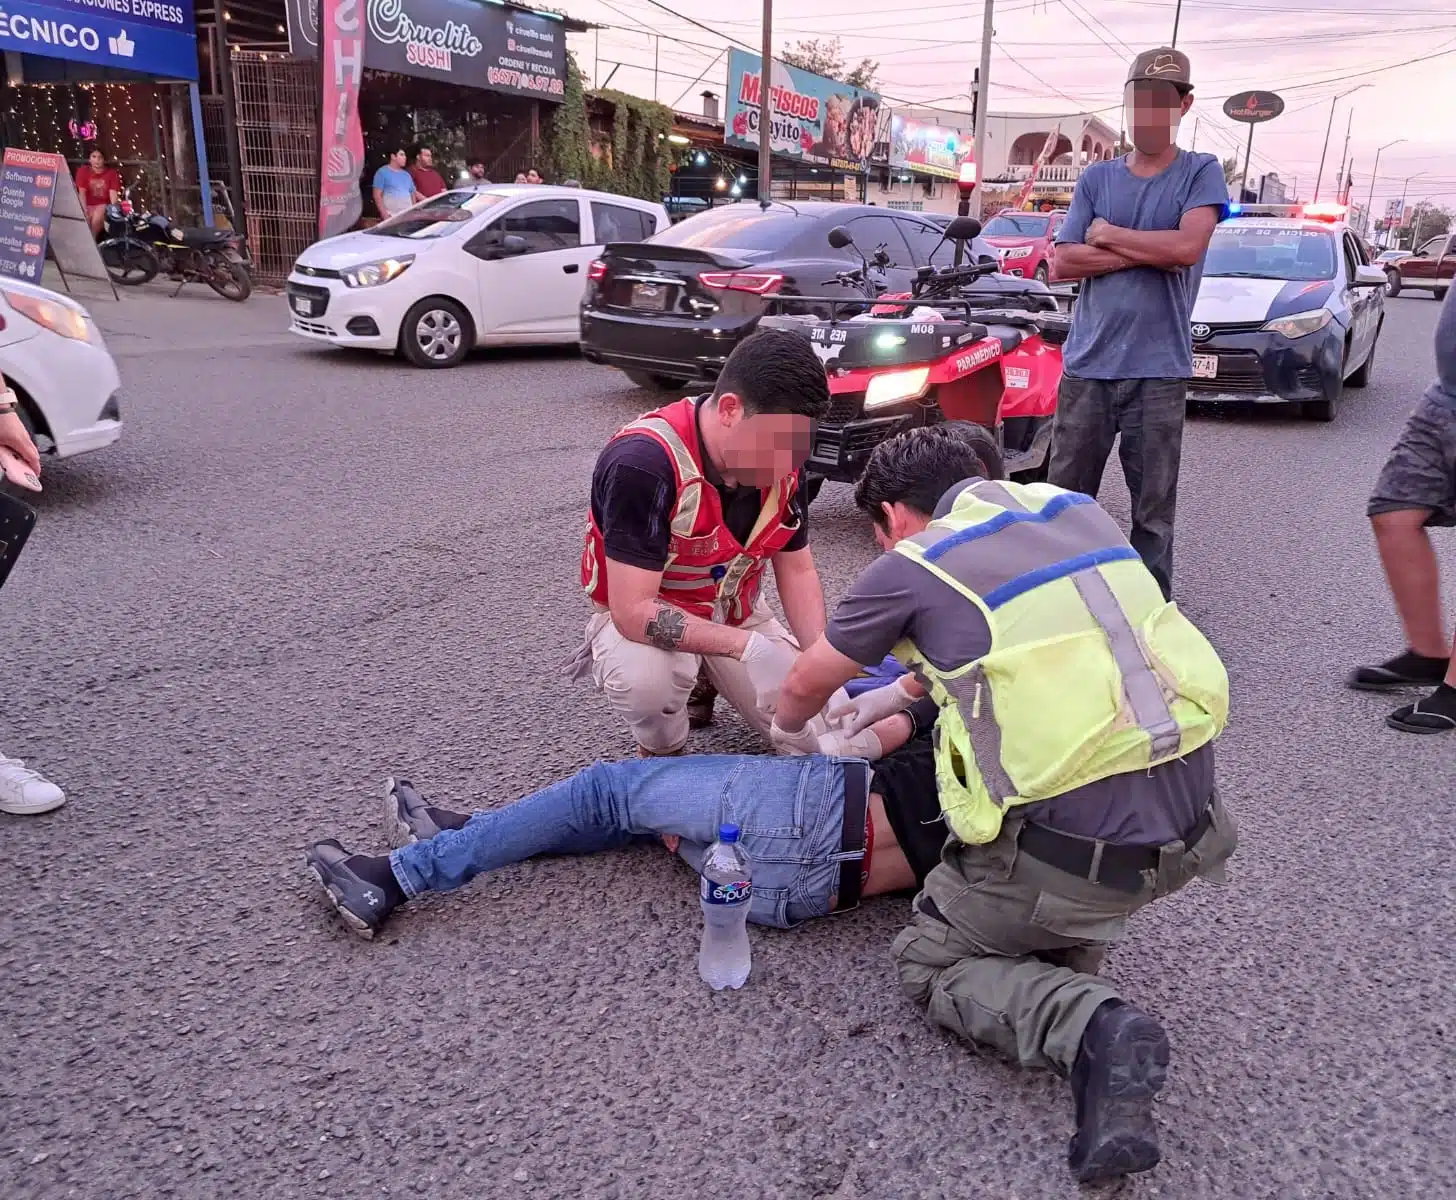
(839, 237)
(512, 244)
(1368, 276)
(989, 260)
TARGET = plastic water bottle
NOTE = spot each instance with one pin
(726, 891)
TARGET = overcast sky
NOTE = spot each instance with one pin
(1071, 55)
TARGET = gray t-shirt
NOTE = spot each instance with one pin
(1134, 323)
(895, 599)
(1443, 391)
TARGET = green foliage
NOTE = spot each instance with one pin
(826, 57)
(571, 155)
(640, 152)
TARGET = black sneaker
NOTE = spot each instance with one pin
(1121, 1066)
(1403, 671)
(407, 814)
(364, 905)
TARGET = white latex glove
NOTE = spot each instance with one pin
(838, 744)
(767, 663)
(802, 741)
(871, 706)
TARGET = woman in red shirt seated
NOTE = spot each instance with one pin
(99, 186)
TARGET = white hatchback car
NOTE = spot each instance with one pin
(54, 357)
(484, 266)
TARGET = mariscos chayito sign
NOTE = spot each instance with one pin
(813, 117)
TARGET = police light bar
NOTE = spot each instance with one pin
(1325, 212)
(966, 182)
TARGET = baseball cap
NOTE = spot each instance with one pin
(1163, 63)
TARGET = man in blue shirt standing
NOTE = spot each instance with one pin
(394, 187)
(1135, 234)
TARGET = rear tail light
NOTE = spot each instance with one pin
(597, 270)
(760, 284)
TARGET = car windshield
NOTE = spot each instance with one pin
(1388, 255)
(437, 216)
(1003, 225)
(1270, 252)
(735, 227)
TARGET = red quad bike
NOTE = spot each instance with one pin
(944, 352)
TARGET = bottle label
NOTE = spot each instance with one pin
(725, 893)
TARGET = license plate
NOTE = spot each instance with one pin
(303, 306)
(649, 295)
(1205, 366)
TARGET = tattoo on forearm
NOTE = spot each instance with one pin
(666, 627)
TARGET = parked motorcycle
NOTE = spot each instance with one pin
(139, 245)
(952, 349)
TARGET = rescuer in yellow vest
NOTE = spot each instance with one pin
(1072, 762)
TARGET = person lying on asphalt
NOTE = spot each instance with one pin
(1074, 762)
(688, 505)
(1416, 490)
(823, 832)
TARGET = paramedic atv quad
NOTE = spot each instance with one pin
(964, 345)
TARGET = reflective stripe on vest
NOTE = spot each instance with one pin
(690, 479)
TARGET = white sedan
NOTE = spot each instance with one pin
(485, 266)
(54, 357)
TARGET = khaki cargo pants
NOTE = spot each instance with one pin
(648, 687)
(1013, 966)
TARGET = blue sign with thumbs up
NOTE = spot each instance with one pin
(152, 37)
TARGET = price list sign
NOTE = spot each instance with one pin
(27, 191)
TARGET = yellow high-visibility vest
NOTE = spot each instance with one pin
(1091, 673)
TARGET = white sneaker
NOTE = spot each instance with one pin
(24, 792)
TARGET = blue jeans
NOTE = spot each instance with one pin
(790, 811)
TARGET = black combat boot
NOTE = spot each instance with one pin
(1121, 1066)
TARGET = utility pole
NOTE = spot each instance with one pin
(1194, 145)
(1320, 174)
(656, 50)
(1343, 184)
(983, 89)
(765, 108)
(1177, 12)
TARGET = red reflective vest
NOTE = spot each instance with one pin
(708, 573)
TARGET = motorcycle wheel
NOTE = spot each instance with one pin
(230, 280)
(129, 263)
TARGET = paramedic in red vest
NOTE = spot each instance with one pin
(688, 505)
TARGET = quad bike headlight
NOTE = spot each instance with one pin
(895, 387)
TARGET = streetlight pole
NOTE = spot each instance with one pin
(1374, 171)
(988, 28)
(1325, 148)
(765, 108)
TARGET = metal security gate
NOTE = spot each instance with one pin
(278, 148)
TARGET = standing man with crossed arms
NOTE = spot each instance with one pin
(689, 503)
(1136, 233)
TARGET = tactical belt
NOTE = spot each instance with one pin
(1119, 867)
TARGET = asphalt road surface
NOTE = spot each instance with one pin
(301, 571)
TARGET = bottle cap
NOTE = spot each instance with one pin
(728, 833)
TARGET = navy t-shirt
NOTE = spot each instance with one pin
(1134, 323)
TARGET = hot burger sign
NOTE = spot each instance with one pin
(1252, 108)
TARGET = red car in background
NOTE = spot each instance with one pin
(1024, 241)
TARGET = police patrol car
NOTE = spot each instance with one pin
(1289, 309)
